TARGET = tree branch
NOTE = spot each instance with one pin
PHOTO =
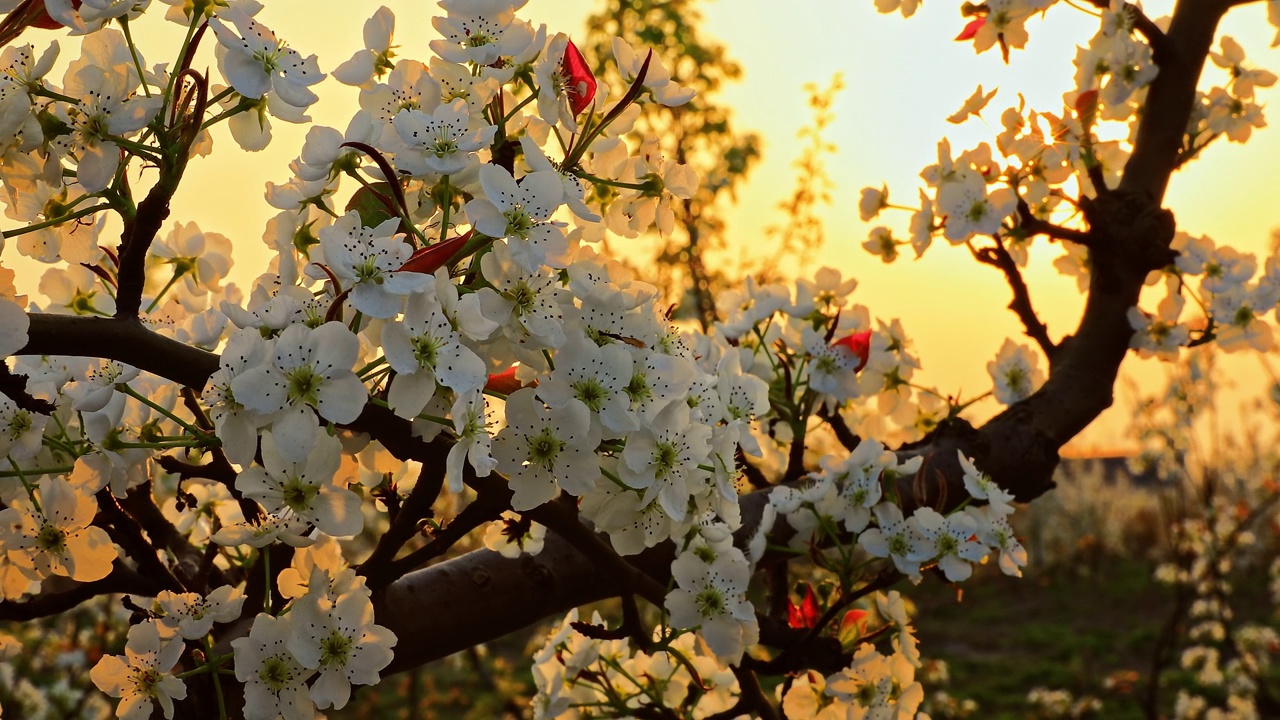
(121, 579)
(127, 340)
(999, 258)
(1032, 225)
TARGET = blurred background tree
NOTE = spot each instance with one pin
(700, 133)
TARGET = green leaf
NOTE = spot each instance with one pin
(374, 203)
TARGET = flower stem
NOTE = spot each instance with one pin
(124, 388)
(56, 221)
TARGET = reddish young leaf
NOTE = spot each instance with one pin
(42, 20)
(853, 624)
(581, 85)
(433, 257)
(859, 344)
(971, 29)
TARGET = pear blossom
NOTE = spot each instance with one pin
(424, 349)
(662, 182)
(513, 536)
(309, 368)
(14, 325)
(872, 201)
(375, 58)
(368, 259)
(1243, 80)
(949, 537)
(541, 450)
(859, 479)
(833, 367)
(255, 62)
(51, 533)
(275, 682)
(470, 414)
(596, 377)
(972, 107)
(1159, 335)
(305, 487)
(409, 86)
(522, 214)
(235, 425)
(662, 458)
(522, 302)
(442, 141)
(21, 431)
(192, 616)
(285, 527)
(19, 71)
(881, 242)
(104, 82)
(994, 531)
(143, 675)
(710, 594)
(323, 155)
(1015, 372)
(341, 641)
(458, 82)
(970, 210)
(477, 31)
(1233, 116)
(879, 686)
(566, 86)
(982, 487)
(657, 79)
(897, 538)
(201, 259)
(1237, 312)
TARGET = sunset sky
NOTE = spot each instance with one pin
(902, 78)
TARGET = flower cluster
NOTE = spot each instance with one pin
(853, 496)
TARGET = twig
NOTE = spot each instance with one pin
(377, 569)
(846, 436)
(998, 257)
(486, 508)
(121, 579)
(1033, 225)
(561, 517)
(14, 387)
(1160, 48)
(129, 536)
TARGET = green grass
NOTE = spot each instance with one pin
(1063, 629)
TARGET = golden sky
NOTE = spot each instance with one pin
(902, 77)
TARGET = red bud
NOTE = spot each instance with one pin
(804, 615)
(581, 85)
(971, 29)
(859, 344)
(1087, 107)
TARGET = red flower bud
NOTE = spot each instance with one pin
(971, 29)
(859, 344)
(581, 84)
(1087, 107)
(804, 615)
